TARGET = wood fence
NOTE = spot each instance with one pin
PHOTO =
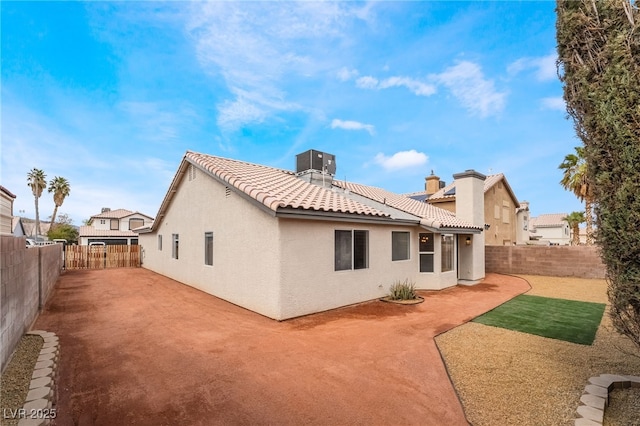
(99, 257)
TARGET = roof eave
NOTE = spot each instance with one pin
(293, 213)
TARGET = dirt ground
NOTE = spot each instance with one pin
(139, 348)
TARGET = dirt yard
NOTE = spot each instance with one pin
(139, 348)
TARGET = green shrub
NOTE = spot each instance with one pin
(403, 290)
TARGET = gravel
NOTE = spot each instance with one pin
(17, 376)
(511, 378)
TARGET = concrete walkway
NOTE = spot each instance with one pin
(139, 348)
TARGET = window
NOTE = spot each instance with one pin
(115, 224)
(174, 247)
(103, 222)
(425, 246)
(400, 245)
(208, 248)
(160, 242)
(135, 223)
(447, 253)
(351, 250)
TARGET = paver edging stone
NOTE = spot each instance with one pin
(41, 399)
(595, 399)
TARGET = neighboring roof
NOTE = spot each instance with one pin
(6, 191)
(16, 222)
(449, 191)
(441, 217)
(90, 231)
(29, 226)
(282, 192)
(117, 214)
(552, 220)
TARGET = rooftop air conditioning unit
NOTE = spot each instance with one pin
(316, 160)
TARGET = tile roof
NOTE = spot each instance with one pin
(281, 190)
(276, 188)
(117, 214)
(548, 220)
(438, 217)
(90, 231)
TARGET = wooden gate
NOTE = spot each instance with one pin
(99, 257)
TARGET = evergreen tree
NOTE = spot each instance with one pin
(599, 64)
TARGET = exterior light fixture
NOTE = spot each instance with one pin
(468, 241)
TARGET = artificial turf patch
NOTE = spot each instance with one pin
(561, 319)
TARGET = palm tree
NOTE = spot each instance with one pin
(575, 219)
(575, 179)
(61, 189)
(37, 180)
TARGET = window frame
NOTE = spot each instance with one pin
(353, 247)
(426, 250)
(117, 222)
(447, 260)
(136, 219)
(398, 257)
(208, 248)
(175, 246)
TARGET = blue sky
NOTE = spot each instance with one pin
(110, 95)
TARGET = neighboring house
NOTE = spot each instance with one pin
(6, 211)
(550, 229)
(506, 218)
(113, 227)
(29, 227)
(287, 244)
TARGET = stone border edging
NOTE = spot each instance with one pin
(595, 399)
(39, 403)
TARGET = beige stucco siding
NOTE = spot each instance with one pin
(500, 213)
(246, 256)
(310, 283)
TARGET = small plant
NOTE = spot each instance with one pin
(402, 290)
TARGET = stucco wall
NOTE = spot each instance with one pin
(559, 261)
(27, 279)
(499, 232)
(245, 267)
(500, 213)
(311, 284)
(556, 235)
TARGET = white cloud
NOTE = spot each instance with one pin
(367, 82)
(468, 84)
(255, 47)
(416, 87)
(543, 66)
(401, 160)
(352, 125)
(556, 103)
(346, 74)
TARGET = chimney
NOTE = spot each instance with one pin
(432, 184)
(470, 208)
(106, 209)
(316, 167)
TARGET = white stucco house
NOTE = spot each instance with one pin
(286, 244)
(113, 227)
(550, 229)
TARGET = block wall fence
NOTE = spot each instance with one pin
(556, 261)
(27, 278)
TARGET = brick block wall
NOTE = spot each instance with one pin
(557, 261)
(27, 277)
